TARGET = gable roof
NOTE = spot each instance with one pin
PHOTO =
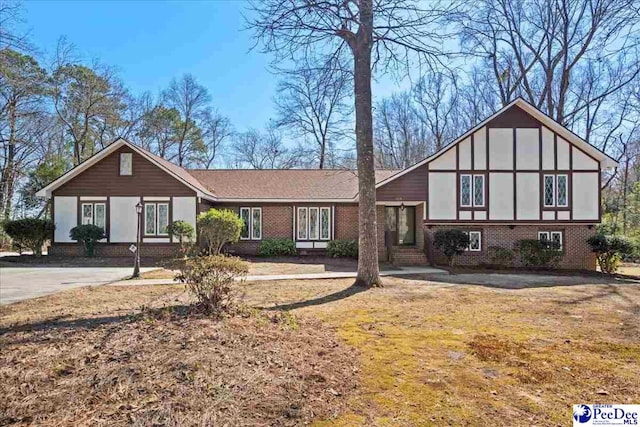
(283, 184)
(227, 185)
(605, 160)
(174, 170)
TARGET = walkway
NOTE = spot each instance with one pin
(400, 271)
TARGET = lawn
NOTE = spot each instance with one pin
(463, 349)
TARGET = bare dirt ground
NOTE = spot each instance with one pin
(470, 350)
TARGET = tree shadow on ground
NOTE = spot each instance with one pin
(336, 296)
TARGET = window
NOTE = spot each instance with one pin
(95, 213)
(472, 192)
(302, 224)
(252, 223)
(245, 216)
(256, 223)
(156, 219)
(325, 223)
(551, 236)
(313, 223)
(126, 163)
(556, 191)
(561, 190)
(475, 241)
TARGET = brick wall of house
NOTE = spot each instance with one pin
(577, 254)
(346, 222)
(150, 250)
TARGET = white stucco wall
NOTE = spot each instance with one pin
(548, 149)
(442, 195)
(500, 196)
(585, 195)
(563, 154)
(480, 148)
(65, 211)
(465, 154)
(184, 209)
(528, 196)
(501, 149)
(527, 149)
(123, 219)
(445, 161)
(582, 161)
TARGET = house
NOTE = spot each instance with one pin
(517, 175)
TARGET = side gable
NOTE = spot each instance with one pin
(103, 179)
(517, 114)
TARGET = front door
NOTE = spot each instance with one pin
(400, 225)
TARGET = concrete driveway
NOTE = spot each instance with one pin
(23, 282)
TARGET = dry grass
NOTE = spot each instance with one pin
(427, 353)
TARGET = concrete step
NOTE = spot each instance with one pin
(408, 256)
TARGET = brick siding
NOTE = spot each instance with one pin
(577, 254)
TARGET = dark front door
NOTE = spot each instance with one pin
(400, 225)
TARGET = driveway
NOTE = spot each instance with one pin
(24, 282)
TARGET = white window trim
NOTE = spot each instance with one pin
(93, 213)
(122, 156)
(479, 233)
(248, 237)
(329, 228)
(306, 228)
(470, 190)
(553, 191)
(253, 236)
(473, 191)
(566, 180)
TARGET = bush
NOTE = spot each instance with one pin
(452, 242)
(89, 235)
(184, 232)
(539, 253)
(30, 233)
(610, 250)
(342, 249)
(218, 227)
(277, 247)
(210, 279)
(500, 256)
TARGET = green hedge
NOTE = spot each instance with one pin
(276, 247)
(342, 249)
(539, 253)
(29, 233)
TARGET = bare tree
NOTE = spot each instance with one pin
(190, 99)
(10, 37)
(216, 130)
(365, 33)
(311, 103)
(258, 150)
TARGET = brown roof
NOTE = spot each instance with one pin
(307, 184)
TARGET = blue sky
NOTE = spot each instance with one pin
(151, 42)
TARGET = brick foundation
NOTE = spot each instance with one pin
(107, 250)
(577, 254)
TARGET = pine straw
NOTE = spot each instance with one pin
(168, 367)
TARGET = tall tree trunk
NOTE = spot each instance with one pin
(8, 175)
(368, 272)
